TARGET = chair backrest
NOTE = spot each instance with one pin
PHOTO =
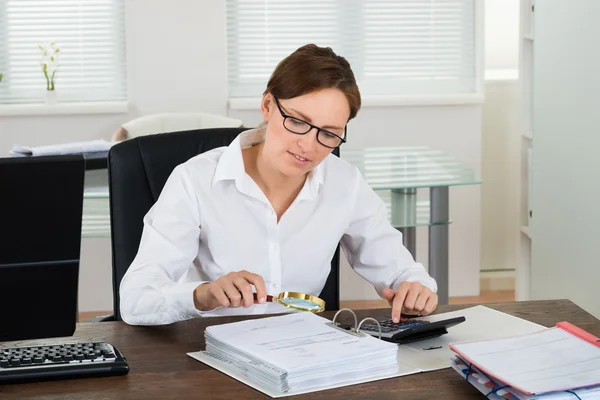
(138, 169)
(177, 122)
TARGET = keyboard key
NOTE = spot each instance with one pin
(15, 362)
(4, 363)
(38, 360)
(26, 361)
(79, 356)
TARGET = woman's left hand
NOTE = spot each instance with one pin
(411, 298)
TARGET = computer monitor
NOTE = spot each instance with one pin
(41, 203)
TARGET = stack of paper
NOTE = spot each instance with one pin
(91, 146)
(557, 363)
(299, 352)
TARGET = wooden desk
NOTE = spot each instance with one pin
(160, 368)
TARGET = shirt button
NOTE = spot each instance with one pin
(274, 247)
(275, 286)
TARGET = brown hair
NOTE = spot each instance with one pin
(311, 68)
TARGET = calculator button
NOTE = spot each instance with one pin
(369, 327)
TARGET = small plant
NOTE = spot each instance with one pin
(1, 76)
(49, 63)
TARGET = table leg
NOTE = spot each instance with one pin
(404, 215)
(438, 240)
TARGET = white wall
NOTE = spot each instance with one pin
(566, 139)
(177, 62)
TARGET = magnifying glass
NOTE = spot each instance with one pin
(298, 301)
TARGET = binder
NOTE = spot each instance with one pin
(299, 353)
(558, 363)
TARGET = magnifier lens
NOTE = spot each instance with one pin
(301, 304)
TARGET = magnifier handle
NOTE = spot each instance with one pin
(269, 298)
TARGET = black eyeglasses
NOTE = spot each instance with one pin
(299, 127)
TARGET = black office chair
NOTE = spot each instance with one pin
(138, 169)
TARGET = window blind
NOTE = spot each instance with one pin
(90, 35)
(395, 47)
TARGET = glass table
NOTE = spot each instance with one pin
(395, 173)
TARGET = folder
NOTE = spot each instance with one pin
(557, 363)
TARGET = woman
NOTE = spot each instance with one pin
(266, 213)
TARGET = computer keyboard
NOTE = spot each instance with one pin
(60, 361)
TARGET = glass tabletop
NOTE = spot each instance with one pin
(409, 167)
(415, 213)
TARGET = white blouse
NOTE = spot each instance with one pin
(211, 218)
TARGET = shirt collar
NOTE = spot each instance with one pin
(231, 163)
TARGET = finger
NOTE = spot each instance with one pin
(245, 289)
(421, 300)
(259, 284)
(218, 297)
(398, 302)
(232, 292)
(431, 304)
(411, 298)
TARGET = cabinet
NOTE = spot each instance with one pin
(526, 58)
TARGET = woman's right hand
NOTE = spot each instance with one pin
(231, 290)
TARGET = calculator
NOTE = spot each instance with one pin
(411, 330)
